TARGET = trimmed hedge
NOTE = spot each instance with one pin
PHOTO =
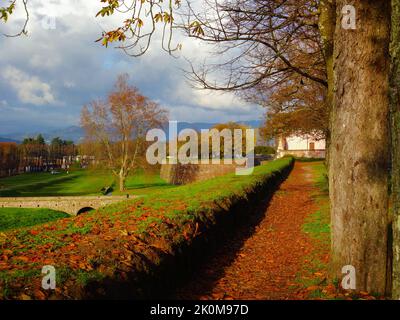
(136, 249)
(264, 150)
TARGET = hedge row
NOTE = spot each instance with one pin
(134, 249)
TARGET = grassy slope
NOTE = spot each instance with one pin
(107, 242)
(11, 218)
(142, 184)
(77, 182)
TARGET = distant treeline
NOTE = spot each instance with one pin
(34, 154)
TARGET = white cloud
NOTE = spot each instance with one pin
(187, 113)
(45, 61)
(30, 89)
(209, 99)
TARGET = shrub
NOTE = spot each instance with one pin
(264, 150)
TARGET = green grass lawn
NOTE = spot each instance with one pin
(11, 218)
(76, 183)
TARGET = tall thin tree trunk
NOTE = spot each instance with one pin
(326, 26)
(359, 161)
(121, 180)
(395, 134)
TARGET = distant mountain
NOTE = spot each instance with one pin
(8, 140)
(76, 133)
(73, 133)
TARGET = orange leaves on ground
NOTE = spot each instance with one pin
(22, 258)
(39, 295)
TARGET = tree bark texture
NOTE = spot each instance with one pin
(395, 134)
(360, 150)
(326, 26)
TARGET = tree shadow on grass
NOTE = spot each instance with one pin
(34, 188)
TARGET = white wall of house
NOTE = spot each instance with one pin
(302, 146)
(304, 143)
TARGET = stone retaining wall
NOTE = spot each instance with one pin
(182, 174)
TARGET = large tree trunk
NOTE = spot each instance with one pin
(395, 130)
(359, 162)
(326, 26)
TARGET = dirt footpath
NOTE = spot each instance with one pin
(262, 265)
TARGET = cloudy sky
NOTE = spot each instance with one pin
(45, 78)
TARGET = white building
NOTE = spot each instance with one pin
(302, 146)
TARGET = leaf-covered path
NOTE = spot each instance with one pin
(265, 263)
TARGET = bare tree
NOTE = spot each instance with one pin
(259, 40)
(119, 126)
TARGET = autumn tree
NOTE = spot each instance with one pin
(34, 151)
(296, 106)
(9, 158)
(119, 125)
(59, 148)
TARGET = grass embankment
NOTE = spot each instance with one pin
(12, 218)
(135, 248)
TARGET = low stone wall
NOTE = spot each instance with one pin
(186, 173)
(318, 154)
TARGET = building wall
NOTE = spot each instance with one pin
(299, 146)
(303, 143)
(186, 173)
